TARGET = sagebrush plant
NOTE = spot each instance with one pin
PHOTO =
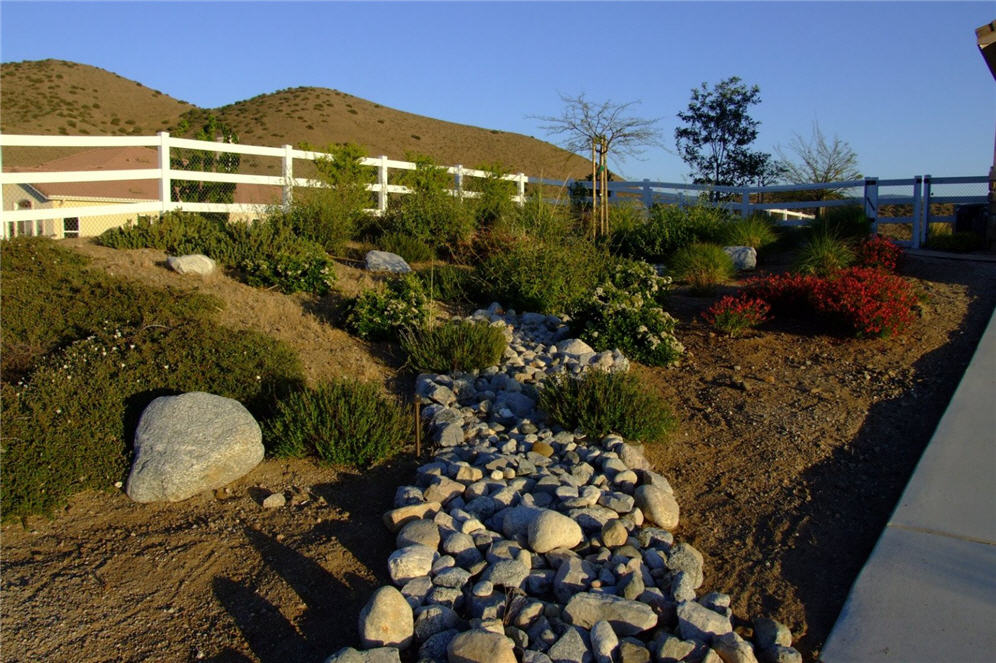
(454, 284)
(530, 274)
(380, 314)
(342, 422)
(69, 425)
(494, 202)
(540, 219)
(669, 228)
(625, 313)
(703, 266)
(734, 315)
(755, 231)
(871, 302)
(456, 345)
(412, 249)
(599, 403)
(879, 252)
(824, 253)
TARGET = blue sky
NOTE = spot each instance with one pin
(903, 83)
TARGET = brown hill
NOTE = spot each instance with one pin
(57, 97)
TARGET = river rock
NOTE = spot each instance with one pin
(191, 443)
(657, 506)
(384, 261)
(479, 646)
(410, 562)
(549, 530)
(626, 617)
(744, 257)
(386, 620)
(196, 263)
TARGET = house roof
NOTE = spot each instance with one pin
(123, 158)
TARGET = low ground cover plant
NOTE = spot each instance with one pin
(703, 266)
(880, 253)
(456, 345)
(599, 403)
(380, 314)
(735, 315)
(342, 422)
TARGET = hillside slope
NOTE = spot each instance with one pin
(57, 97)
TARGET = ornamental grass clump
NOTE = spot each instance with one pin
(824, 253)
(734, 315)
(703, 266)
(457, 345)
(754, 231)
(342, 422)
(380, 314)
(598, 403)
(625, 313)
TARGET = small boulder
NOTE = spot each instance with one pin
(191, 443)
(384, 261)
(744, 257)
(478, 646)
(386, 620)
(657, 506)
(550, 529)
(191, 264)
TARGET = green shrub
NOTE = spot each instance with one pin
(175, 233)
(429, 213)
(454, 284)
(755, 231)
(669, 228)
(941, 237)
(539, 219)
(494, 204)
(824, 253)
(412, 249)
(457, 345)
(702, 266)
(343, 422)
(380, 314)
(69, 426)
(599, 403)
(624, 313)
(847, 222)
(332, 216)
(51, 299)
(542, 276)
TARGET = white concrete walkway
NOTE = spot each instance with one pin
(928, 590)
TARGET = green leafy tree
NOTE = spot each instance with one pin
(717, 133)
(213, 129)
(819, 160)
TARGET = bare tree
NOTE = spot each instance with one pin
(818, 160)
(600, 127)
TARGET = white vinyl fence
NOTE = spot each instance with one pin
(26, 210)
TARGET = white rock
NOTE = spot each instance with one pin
(549, 530)
(744, 257)
(386, 620)
(410, 562)
(657, 506)
(384, 261)
(191, 443)
(191, 264)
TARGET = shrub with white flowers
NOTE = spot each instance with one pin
(379, 315)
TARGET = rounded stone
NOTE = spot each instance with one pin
(478, 646)
(550, 530)
(657, 506)
(386, 620)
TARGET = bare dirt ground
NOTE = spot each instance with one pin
(793, 449)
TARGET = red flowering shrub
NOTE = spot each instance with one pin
(786, 293)
(734, 315)
(879, 252)
(870, 301)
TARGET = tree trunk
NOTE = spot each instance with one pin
(594, 186)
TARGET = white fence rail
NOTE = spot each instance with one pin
(917, 193)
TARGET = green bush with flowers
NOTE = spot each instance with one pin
(625, 313)
(381, 314)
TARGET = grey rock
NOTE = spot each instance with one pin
(433, 619)
(779, 654)
(384, 261)
(658, 506)
(533, 656)
(423, 532)
(626, 617)
(768, 633)
(507, 573)
(684, 557)
(632, 650)
(461, 546)
(191, 443)
(434, 649)
(574, 346)
(733, 649)
(274, 501)
(744, 257)
(683, 586)
(670, 649)
(479, 646)
(449, 435)
(697, 622)
(410, 562)
(443, 489)
(614, 533)
(416, 590)
(454, 577)
(603, 642)
(573, 575)
(386, 620)
(376, 655)
(618, 502)
(569, 648)
(195, 263)
(549, 530)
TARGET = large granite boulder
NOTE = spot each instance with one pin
(191, 264)
(190, 443)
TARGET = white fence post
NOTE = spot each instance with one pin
(458, 180)
(520, 188)
(3, 222)
(745, 205)
(871, 202)
(648, 194)
(287, 197)
(164, 166)
(917, 210)
(382, 185)
(925, 232)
